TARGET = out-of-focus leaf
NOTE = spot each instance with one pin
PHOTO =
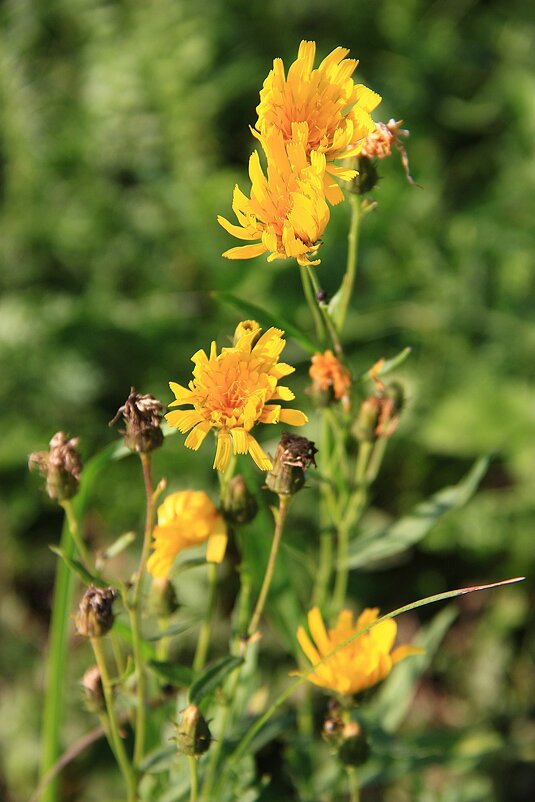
(172, 672)
(124, 631)
(410, 529)
(169, 632)
(79, 569)
(390, 705)
(266, 319)
(210, 679)
(158, 760)
(118, 546)
(194, 562)
(391, 364)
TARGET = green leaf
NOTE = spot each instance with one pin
(210, 679)
(172, 672)
(79, 569)
(391, 704)
(186, 565)
(118, 546)
(391, 364)
(266, 319)
(412, 528)
(158, 760)
(174, 629)
(124, 631)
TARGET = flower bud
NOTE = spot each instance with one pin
(162, 598)
(61, 466)
(247, 327)
(366, 178)
(354, 749)
(142, 415)
(193, 735)
(238, 505)
(333, 723)
(95, 617)
(93, 691)
(379, 413)
(293, 457)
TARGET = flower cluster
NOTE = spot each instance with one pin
(307, 119)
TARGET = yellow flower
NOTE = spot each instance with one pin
(322, 108)
(359, 665)
(185, 519)
(326, 372)
(231, 392)
(286, 211)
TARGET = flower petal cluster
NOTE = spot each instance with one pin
(362, 663)
(231, 392)
(306, 120)
(286, 210)
(185, 519)
(322, 108)
(327, 372)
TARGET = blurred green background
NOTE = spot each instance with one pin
(124, 129)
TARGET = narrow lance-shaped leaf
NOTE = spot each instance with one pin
(210, 679)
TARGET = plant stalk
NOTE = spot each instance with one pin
(205, 633)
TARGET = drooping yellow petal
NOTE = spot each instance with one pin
(259, 455)
(223, 450)
(216, 547)
(293, 417)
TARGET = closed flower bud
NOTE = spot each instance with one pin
(94, 693)
(379, 413)
(95, 616)
(61, 466)
(366, 178)
(238, 505)
(142, 415)
(354, 749)
(162, 598)
(247, 327)
(294, 455)
(193, 735)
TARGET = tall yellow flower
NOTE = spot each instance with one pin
(286, 211)
(185, 519)
(232, 391)
(359, 665)
(322, 108)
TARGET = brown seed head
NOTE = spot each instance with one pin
(61, 466)
(294, 455)
(142, 415)
(95, 616)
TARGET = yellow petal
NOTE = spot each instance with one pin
(259, 455)
(405, 651)
(293, 417)
(197, 435)
(183, 419)
(223, 450)
(216, 547)
(318, 631)
(383, 635)
(245, 251)
(240, 441)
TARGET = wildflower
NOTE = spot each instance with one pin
(185, 519)
(286, 211)
(95, 616)
(61, 466)
(232, 391)
(321, 108)
(142, 415)
(330, 377)
(294, 455)
(362, 663)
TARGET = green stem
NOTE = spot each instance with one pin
(116, 742)
(327, 320)
(75, 531)
(135, 615)
(284, 502)
(313, 303)
(354, 791)
(205, 633)
(245, 742)
(57, 657)
(325, 558)
(348, 281)
(194, 773)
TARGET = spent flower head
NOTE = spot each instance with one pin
(330, 379)
(142, 415)
(362, 663)
(231, 392)
(294, 455)
(95, 614)
(322, 109)
(185, 519)
(286, 209)
(61, 466)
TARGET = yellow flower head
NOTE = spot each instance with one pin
(286, 211)
(232, 391)
(322, 108)
(185, 519)
(326, 372)
(359, 665)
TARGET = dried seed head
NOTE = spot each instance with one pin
(142, 415)
(95, 616)
(294, 455)
(61, 466)
(238, 505)
(94, 693)
(193, 736)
